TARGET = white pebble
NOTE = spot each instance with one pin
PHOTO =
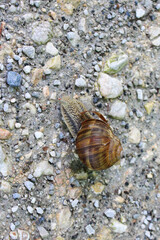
(14, 209)
(39, 210)
(30, 209)
(38, 135)
(27, 69)
(110, 213)
(90, 230)
(17, 125)
(27, 95)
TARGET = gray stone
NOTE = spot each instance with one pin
(29, 185)
(109, 87)
(118, 110)
(38, 135)
(82, 25)
(42, 32)
(51, 49)
(27, 69)
(29, 51)
(43, 168)
(80, 82)
(14, 79)
(90, 230)
(28, 17)
(140, 12)
(139, 94)
(134, 135)
(117, 226)
(16, 195)
(74, 38)
(43, 232)
(4, 164)
(39, 210)
(56, 83)
(12, 9)
(27, 96)
(110, 213)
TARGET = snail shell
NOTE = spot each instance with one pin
(96, 145)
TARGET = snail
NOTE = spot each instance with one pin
(96, 145)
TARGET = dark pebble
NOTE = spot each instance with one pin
(14, 79)
(95, 99)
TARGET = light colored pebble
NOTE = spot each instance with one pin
(73, 38)
(29, 185)
(109, 87)
(80, 82)
(90, 230)
(31, 107)
(74, 203)
(43, 168)
(41, 32)
(38, 135)
(14, 209)
(17, 125)
(110, 213)
(52, 50)
(5, 186)
(117, 226)
(13, 235)
(134, 135)
(118, 110)
(53, 63)
(97, 188)
(30, 209)
(27, 69)
(140, 12)
(11, 123)
(139, 94)
(29, 51)
(43, 232)
(64, 219)
(27, 95)
(39, 210)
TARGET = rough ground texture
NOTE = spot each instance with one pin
(46, 193)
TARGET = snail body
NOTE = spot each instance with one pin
(96, 145)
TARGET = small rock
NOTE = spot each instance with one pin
(16, 195)
(149, 106)
(96, 203)
(80, 82)
(118, 110)
(82, 25)
(28, 17)
(23, 235)
(43, 232)
(134, 135)
(53, 63)
(14, 209)
(154, 32)
(14, 79)
(42, 32)
(110, 213)
(5, 134)
(140, 12)
(39, 210)
(30, 209)
(13, 235)
(64, 219)
(139, 94)
(74, 203)
(43, 168)
(97, 188)
(109, 87)
(104, 231)
(29, 51)
(90, 230)
(29, 185)
(51, 49)
(74, 38)
(38, 135)
(12, 226)
(37, 74)
(56, 83)
(31, 107)
(5, 186)
(117, 226)
(17, 125)
(27, 69)
(115, 63)
(4, 163)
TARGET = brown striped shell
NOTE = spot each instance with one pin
(96, 145)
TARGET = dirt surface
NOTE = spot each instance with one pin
(45, 191)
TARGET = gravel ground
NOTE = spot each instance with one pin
(46, 47)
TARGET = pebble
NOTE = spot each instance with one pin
(96, 203)
(29, 185)
(12, 226)
(14, 79)
(16, 196)
(73, 38)
(97, 188)
(53, 63)
(27, 69)
(28, 17)
(117, 226)
(118, 110)
(42, 32)
(11, 123)
(29, 51)
(30, 209)
(13, 235)
(64, 219)
(39, 210)
(14, 209)
(43, 232)
(139, 94)
(140, 12)
(1, 67)
(134, 135)
(27, 96)
(110, 213)
(109, 87)
(5, 134)
(50, 49)
(80, 82)
(74, 203)
(149, 106)
(43, 168)
(38, 135)
(5, 186)
(17, 125)
(31, 107)
(116, 63)
(56, 83)
(89, 229)
(82, 25)
(154, 32)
